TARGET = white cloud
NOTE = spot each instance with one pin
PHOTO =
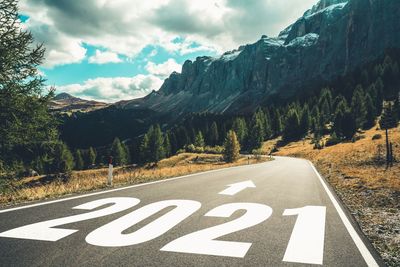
(114, 89)
(163, 70)
(101, 57)
(125, 27)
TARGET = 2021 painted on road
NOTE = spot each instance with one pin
(305, 245)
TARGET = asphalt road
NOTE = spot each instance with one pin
(282, 215)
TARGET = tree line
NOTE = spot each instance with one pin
(30, 138)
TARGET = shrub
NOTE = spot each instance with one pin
(333, 140)
(257, 153)
(377, 137)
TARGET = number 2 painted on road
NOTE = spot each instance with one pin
(202, 242)
(44, 230)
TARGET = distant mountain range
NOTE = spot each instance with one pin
(67, 103)
(332, 39)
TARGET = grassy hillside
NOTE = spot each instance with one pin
(358, 174)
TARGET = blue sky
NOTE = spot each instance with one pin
(111, 50)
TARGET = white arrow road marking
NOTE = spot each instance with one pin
(233, 189)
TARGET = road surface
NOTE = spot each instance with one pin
(279, 213)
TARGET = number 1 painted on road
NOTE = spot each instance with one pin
(306, 244)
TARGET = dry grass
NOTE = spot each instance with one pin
(358, 174)
(36, 188)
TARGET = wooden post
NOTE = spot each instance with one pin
(110, 172)
(387, 149)
(391, 155)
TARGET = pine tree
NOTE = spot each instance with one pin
(213, 134)
(79, 163)
(325, 105)
(167, 145)
(388, 118)
(118, 153)
(255, 137)
(240, 128)
(91, 157)
(63, 161)
(231, 147)
(24, 117)
(276, 122)
(379, 96)
(358, 107)
(349, 125)
(370, 117)
(127, 153)
(152, 147)
(305, 121)
(292, 126)
(338, 125)
(145, 147)
(199, 140)
(316, 125)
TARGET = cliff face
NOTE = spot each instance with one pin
(332, 38)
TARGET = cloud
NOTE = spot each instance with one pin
(101, 57)
(123, 88)
(125, 27)
(114, 89)
(163, 70)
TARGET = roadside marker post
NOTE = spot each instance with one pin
(110, 172)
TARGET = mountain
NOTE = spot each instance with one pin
(67, 103)
(334, 44)
(334, 37)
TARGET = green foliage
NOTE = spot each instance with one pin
(370, 117)
(292, 129)
(213, 135)
(305, 121)
(349, 127)
(152, 147)
(91, 157)
(79, 163)
(63, 160)
(24, 118)
(276, 125)
(231, 147)
(333, 140)
(199, 140)
(240, 128)
(256, 135)
(389, 118)
(338, 122)
(358, 107)
(167, 145)
(118, 152)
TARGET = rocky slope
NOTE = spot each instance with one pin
(330, 39)
(67, 103)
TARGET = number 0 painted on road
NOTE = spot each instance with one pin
(110, 235)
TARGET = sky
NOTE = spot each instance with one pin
(112, 50)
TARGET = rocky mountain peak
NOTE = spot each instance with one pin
(332, 38)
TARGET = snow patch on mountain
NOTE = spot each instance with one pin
(232, 55)
(306, 40)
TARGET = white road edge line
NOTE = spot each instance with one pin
(123, 188)
(369, 259)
